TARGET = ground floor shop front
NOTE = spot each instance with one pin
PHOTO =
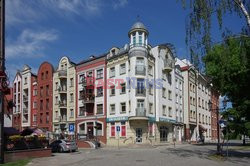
(130, 132)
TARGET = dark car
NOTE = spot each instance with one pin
(63, 146)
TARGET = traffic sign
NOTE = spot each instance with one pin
(71, 127)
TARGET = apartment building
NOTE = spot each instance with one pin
(28, 78)
(17, 100)
(91, 98)
(214, 120)
(33, 122)
(64, 97)
(179, 104)
(189, 74)
(204, 113)
(44, 93)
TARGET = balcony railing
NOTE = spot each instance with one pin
(168, 65)
(62, 73)
(141, 112)
(25, 98)
(62, 104)
(140, 92)
(62, 90)
(87, 98)
(140, 70)
(25, 111)
(63, 118)
(89, 81)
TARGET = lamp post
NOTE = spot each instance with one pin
(218, 125)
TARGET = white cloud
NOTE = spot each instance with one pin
(29, 43)
(23, 11)
(119, 3)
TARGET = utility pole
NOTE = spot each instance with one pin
(3, 78)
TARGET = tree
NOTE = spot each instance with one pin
(198, 24)
(228, 66)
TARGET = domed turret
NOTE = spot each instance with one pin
(138, 35)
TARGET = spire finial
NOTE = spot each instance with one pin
(138, 18)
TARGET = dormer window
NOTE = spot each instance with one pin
(113, 52)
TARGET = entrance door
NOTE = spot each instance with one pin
(163, 134)
(90, 130)
(138, 135)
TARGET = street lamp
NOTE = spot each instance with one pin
(218, 126)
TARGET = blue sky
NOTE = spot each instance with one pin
(45, 30)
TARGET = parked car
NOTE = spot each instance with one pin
(63, 146)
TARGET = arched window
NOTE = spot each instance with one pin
(140, 38)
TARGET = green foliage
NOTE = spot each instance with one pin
(228, 66)
(199, 19)
(17, 163)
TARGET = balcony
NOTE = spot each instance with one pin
(63, 118)
(87, 98)
(62, 73)
(140, 114)
(63, 104)
(89, 81)
(140, 92)
(25, 99)
(25, 111)
(168, 65)
(140, 70)
(62, 90)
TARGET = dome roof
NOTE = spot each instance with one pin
(138, 25)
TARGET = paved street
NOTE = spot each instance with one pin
(187, 155)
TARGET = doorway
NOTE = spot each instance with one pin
(163, 134)
(138, 135)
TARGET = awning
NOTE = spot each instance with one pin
(202, 128)
(9, 131)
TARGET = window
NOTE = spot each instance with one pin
(41, 91)
(35, 92)
(71, 82)
(99, 91)
(123, 129)
(71, 97)
(199, 117)
(123, 68)
(190, 87)
(57, 86)
(56, 115)
(34, 118)
(150, 89)
(151, 108)
(47, 104)
(42, 76)
(170, 111)
(123, 107)
(180, 86)
(140, 38)
(112, 133)
(25, 80)
(199, 102)
(164, 92)
(46, 75)
(35, 105)
(206, 119)
(164, 111)
(203, 119)
(194, 88)
(41, 104)
(150, 70)
(202, 103)
(47, 90)
(57, 100)
(112, 90)
(112, 72)
(150, 129)
(123, 90)
(71, 113)
(99, 74)
(194, 101)
(41, 117)
(169, 95)
(82, 78)
(191, 101)
(90, 74)
(47, 117)
(176, 83)
(140, 87)
(134, 39)
(180, 100)
(19, 86)
(176, 97)
(99, 109)
(112, 108)
(99, 129)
